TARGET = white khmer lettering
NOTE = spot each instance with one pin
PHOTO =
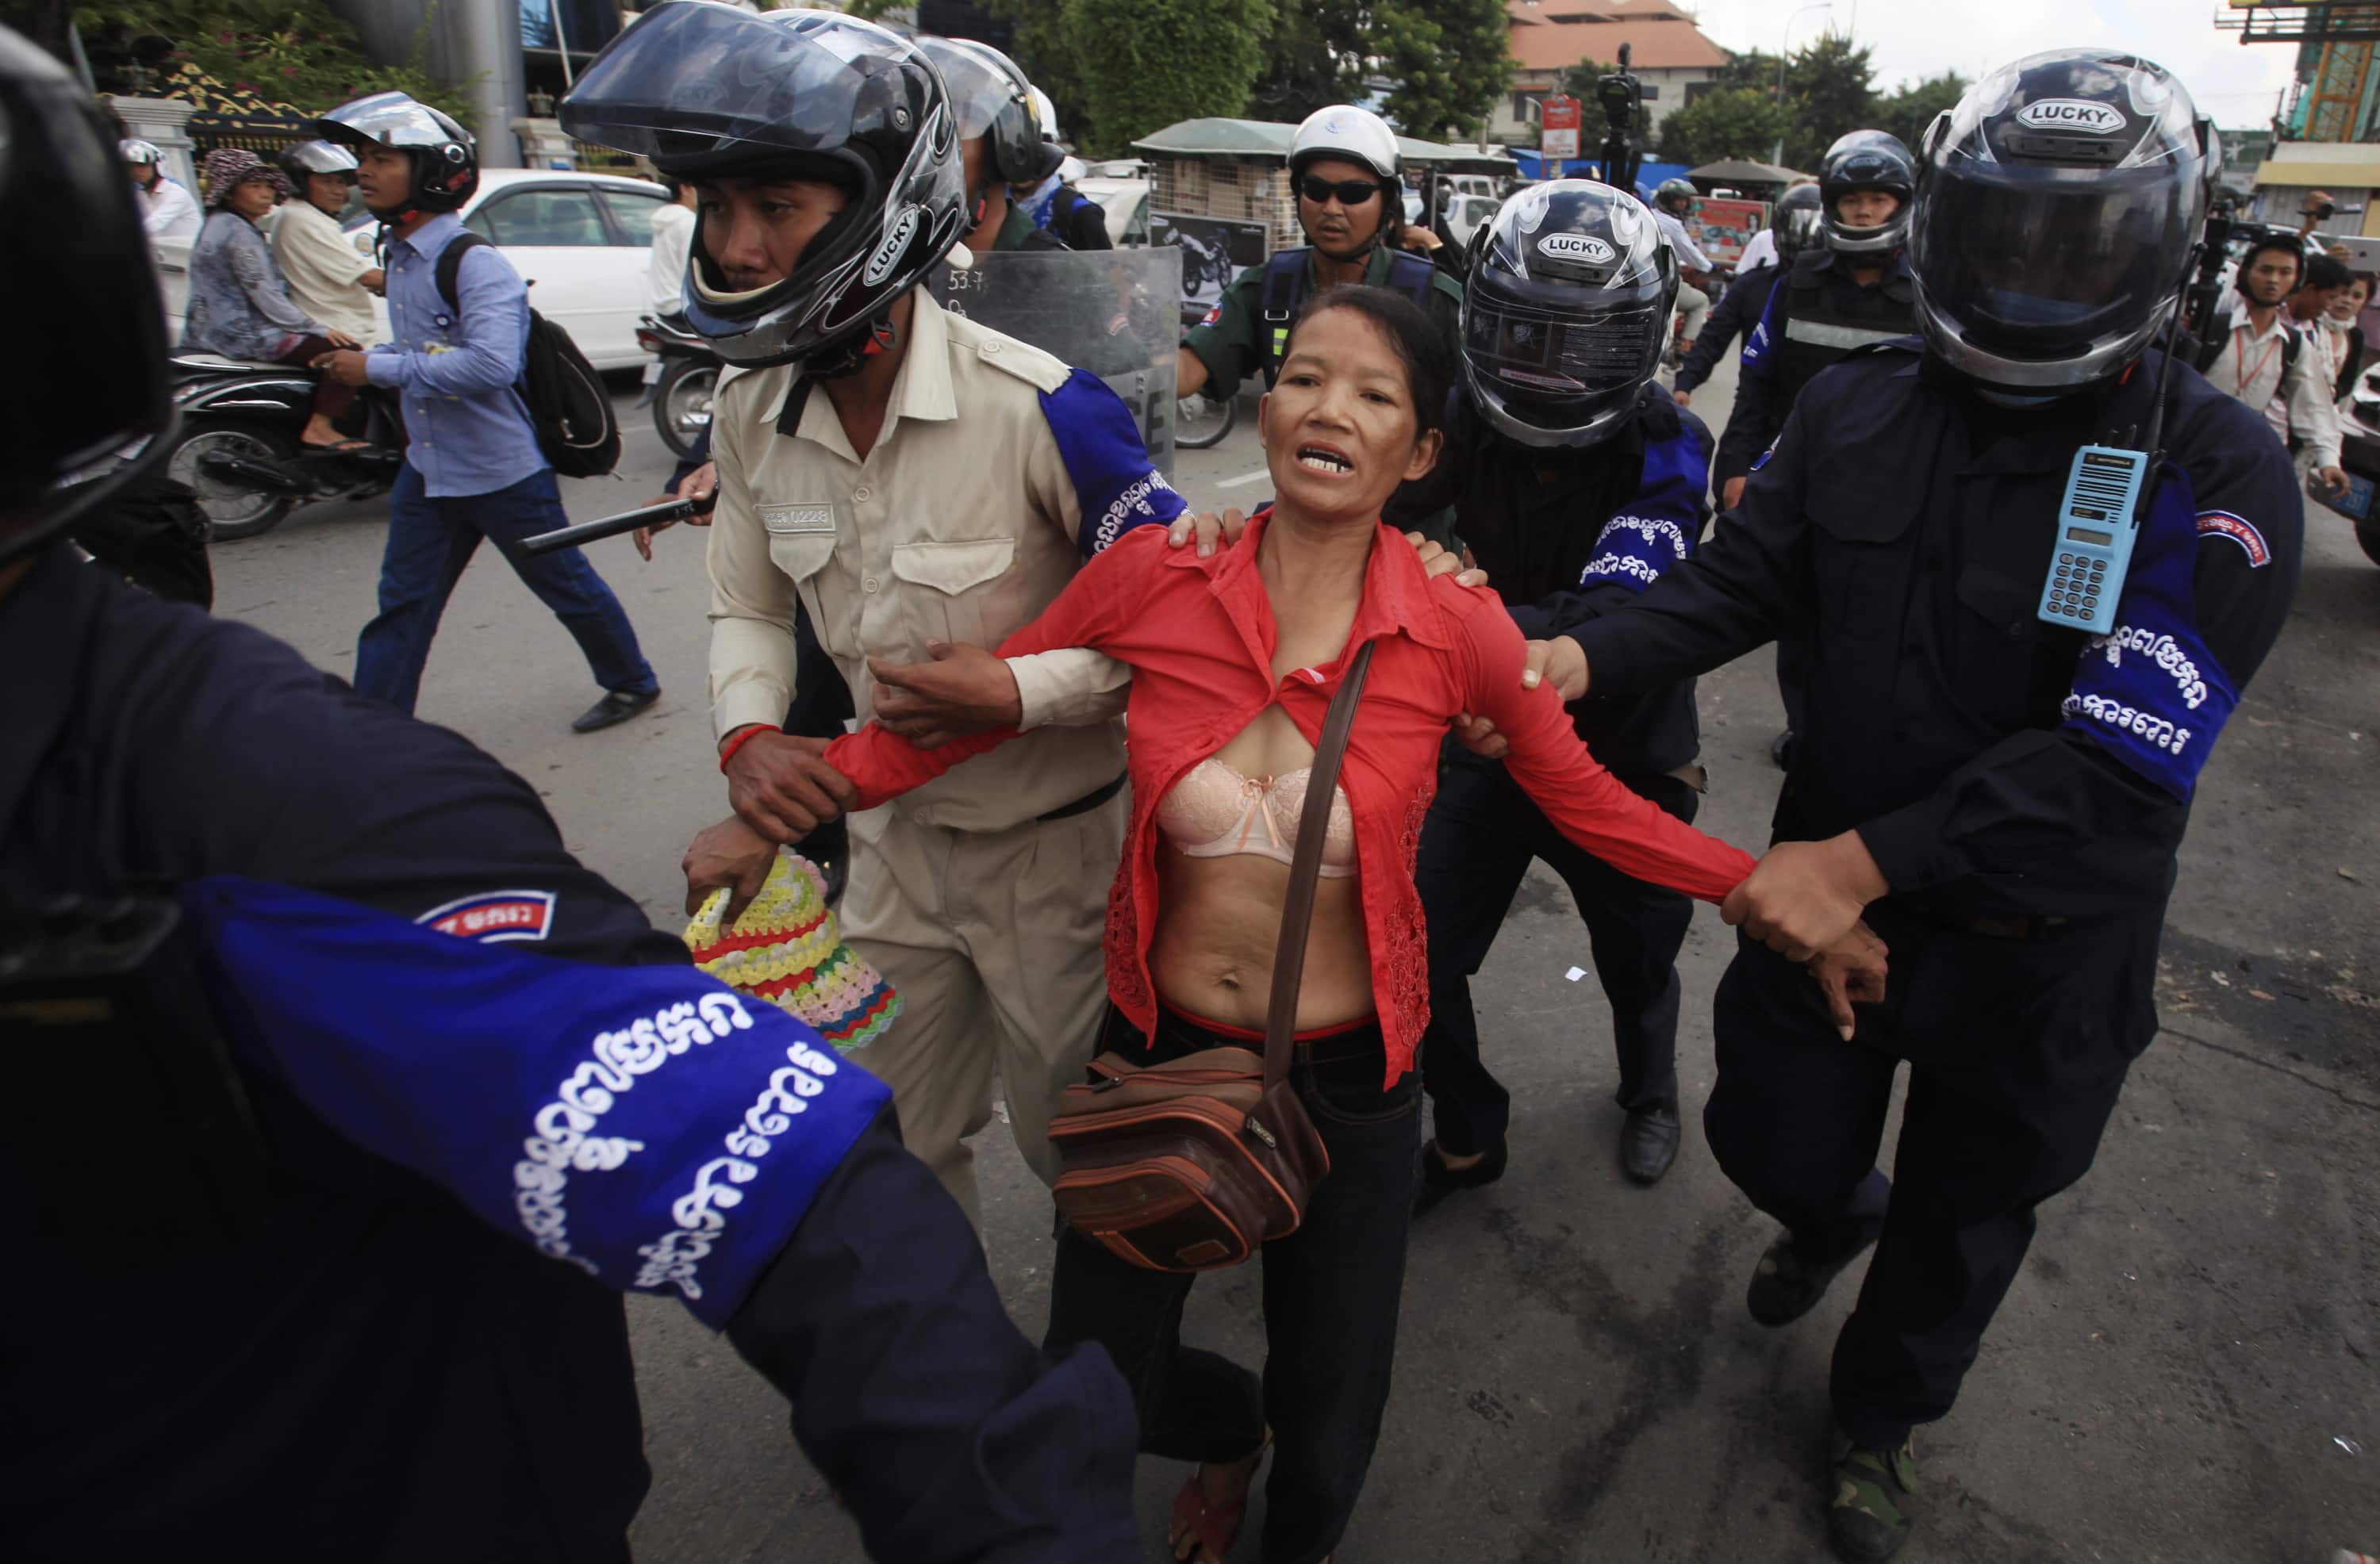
(1135, 498)
(674, 1259)
(563, 1142)
(2160, 649)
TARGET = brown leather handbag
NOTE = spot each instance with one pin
(1193, 1164)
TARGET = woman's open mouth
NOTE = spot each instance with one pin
(1328, 460)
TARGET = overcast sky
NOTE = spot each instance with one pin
(1919, 38)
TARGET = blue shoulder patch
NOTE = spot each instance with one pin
(2151, 693)
(1660, 525)
(1115, 486)
(644, 1123)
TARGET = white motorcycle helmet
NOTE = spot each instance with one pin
(1360, 137)
(2363, 404)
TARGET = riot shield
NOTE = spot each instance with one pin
(1110, 311)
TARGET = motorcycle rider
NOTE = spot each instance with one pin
(2005, 796)
(167, 211)
(316, 1208)
(1673, 202)
(1345, 169)
(1796, 222)
(1852, 290)
(328, 277)
(1568, 469)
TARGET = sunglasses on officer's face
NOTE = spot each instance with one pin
(1352, 192)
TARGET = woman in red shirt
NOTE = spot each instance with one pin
(1234, 658)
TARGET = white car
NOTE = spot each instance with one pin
(1123, 202)
(584, 240)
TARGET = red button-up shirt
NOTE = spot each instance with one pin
(1198, 635)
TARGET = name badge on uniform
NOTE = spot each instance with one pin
(797, 519)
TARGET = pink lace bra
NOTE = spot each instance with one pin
(1214, 812)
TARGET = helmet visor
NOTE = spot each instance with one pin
(978, 91)
(391, 119)
(2044, 268)
(320, 157)
(1539, 355)
(691, 80)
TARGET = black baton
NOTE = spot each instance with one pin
(612, 526)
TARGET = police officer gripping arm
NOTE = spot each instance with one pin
(338, 1103)
(1567, 469)
(2005, 724)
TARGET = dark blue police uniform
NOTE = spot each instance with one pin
(1735, 315)
(1603, 522)
(1815, 312)
(490, 1097)
(2023, 788)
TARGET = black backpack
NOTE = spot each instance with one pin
(567, 403)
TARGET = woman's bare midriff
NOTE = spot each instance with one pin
(1216, 937)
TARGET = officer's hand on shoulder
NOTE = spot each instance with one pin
(730, 853)
(1209, 529)
(782, 786)
(1560, 663)
(1805, 896)
(965, 690)
(1437, 559)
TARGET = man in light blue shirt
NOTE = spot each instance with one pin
(472, 466)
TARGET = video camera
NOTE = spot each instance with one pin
(1623, 97)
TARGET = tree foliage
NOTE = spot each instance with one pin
(1829, 89)
(269, 54)
(1315, 58)
(1450, 62)
(1725, 122)
(1145, 64)
(1037, 44)
(1909, 111)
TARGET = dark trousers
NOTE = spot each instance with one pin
(2017, 1051)
(430, 541)
(332, 399)
(1330, 1297)
(1792, 678)
(1476, 845)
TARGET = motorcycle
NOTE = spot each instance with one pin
(238, 448)
(687, 379)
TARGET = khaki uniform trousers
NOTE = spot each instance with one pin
(992, 938)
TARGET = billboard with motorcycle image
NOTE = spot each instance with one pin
(1214, 251)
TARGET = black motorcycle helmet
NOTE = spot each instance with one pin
(992, 100)
(446, 157)
(708, 92)
(2060, 215)
(1675, 196)
(1565, 310)
(83, 303)
(1867, 160)
(1798, 222)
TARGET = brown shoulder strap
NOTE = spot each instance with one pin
(1305, 868)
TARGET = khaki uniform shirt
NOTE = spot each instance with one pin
(999, 470)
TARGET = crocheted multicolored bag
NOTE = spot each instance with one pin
(788, 949)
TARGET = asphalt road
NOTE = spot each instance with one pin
(2185, 1372)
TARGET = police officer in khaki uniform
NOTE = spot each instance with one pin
(912, 480)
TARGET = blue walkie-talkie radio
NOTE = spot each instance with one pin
(2097, 521)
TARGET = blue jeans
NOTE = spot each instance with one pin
(430, 541)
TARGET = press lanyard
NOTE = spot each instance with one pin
(2263, 363)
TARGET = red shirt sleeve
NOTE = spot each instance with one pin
(1106, 593)
(1551, 763)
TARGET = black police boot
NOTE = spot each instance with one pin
(616, 707)
(1648, 1142)
(1439, 1181)
(1787, 1284)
